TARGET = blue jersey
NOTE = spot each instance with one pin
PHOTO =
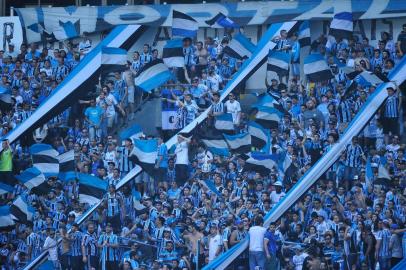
(76, 243)
(384, 250)
(109, 254)
(391, 107)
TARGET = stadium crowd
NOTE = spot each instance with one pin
(197, 205)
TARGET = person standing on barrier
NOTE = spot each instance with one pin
(271, 248)
(256, 247)
(182, 160)
(89, 248)
(76, 247)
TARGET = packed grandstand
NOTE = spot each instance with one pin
(321, 135)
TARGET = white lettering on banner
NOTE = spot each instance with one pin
(143, 14)
(10, 32)
(86, 18)
(322, 10)
(262, 10)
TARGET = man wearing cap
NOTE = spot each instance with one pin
(277, 194)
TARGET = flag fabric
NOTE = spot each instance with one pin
(316, 68)
(45, 159)
(383, 173)
(268, 117)
(66, 162)
(6, 219)
(240, 143)
(224, 122)
(304, 34)
(35, 181)
(216, 144)
(133, 132)
(259, 136)
(342, 25)
(210, 185)
(67, 30)
(239, 47)
(221, 21)
(172, 54)
(367, 79)
(278, 62)
(4, 188)
(183, 25)
(152, 75)
(6, 102)
(259, 162)
(21, 210)
(91, 188)
(113, 59)
(144, 153)
(266, 100)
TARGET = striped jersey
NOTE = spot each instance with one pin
(89, 241)
(76, 243)
(384, 250)
(110, 254)
(391, 107)
(113, 205)
(124, 162)
(354, 154)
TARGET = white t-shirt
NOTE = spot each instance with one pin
(234, 108)
(182, 153)
(256, 234)
(298, 261)
(52, 247)
(275, 197)
(214, 244)
(111, 101)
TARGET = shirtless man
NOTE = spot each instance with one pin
(191, 239)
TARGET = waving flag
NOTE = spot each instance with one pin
(224, 122)
(240, 143)
(6, 102)
(183, 25)
(240, 47)
(173, 53)
(369, 174)
(220, 21)
(21, 210)
(216, 144)
(266, 100)
(91, 188)
(66, 161)
(259, 135)
(133, 132)
(67, 30)
(4, 189)
(342, 25)
(268, 117)
(45, 159)
(262, 163)
(152, 75)
(6, 219)
(145, 154)
(316, 68)
(278, 62)
(113, 60)
(304, 34)
(35, 181)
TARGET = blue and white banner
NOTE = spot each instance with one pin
(268, 117)
(91, 188)
(21, 210)
(224, 122)
(113, 59)
(240, 47)
(260, 136)
(222, 21)
(4, 188)
(316, 68)
(266, 100)
(66, 162)
(216, 144)
(152, 75)
(89, 19)
(172, 54)
(183, 25)
(279, 62)
(260, 162)
(342, 26)
(45, 159)
(35, 181)
(6, 219)
(144, 153)
(240, 143)
(133, 132)
(304, 34)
